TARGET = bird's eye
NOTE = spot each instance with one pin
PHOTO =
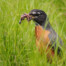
(33, 12)
(38, 13)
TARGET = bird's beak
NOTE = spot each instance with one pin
(27, 16)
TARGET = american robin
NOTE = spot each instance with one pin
(46, 37)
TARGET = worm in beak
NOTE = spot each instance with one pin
(27, 16)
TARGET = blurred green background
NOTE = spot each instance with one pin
(17, 42)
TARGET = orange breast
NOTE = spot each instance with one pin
(42, 35)
(42, 39)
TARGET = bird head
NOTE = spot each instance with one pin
(36, 15)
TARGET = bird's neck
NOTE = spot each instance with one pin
(45, 24)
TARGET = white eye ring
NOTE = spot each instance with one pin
(33, 12)
(38, 12)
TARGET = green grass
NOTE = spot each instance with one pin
(17, 42)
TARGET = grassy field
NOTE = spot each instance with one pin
(17, 42)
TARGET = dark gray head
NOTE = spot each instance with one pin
(39, 16)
